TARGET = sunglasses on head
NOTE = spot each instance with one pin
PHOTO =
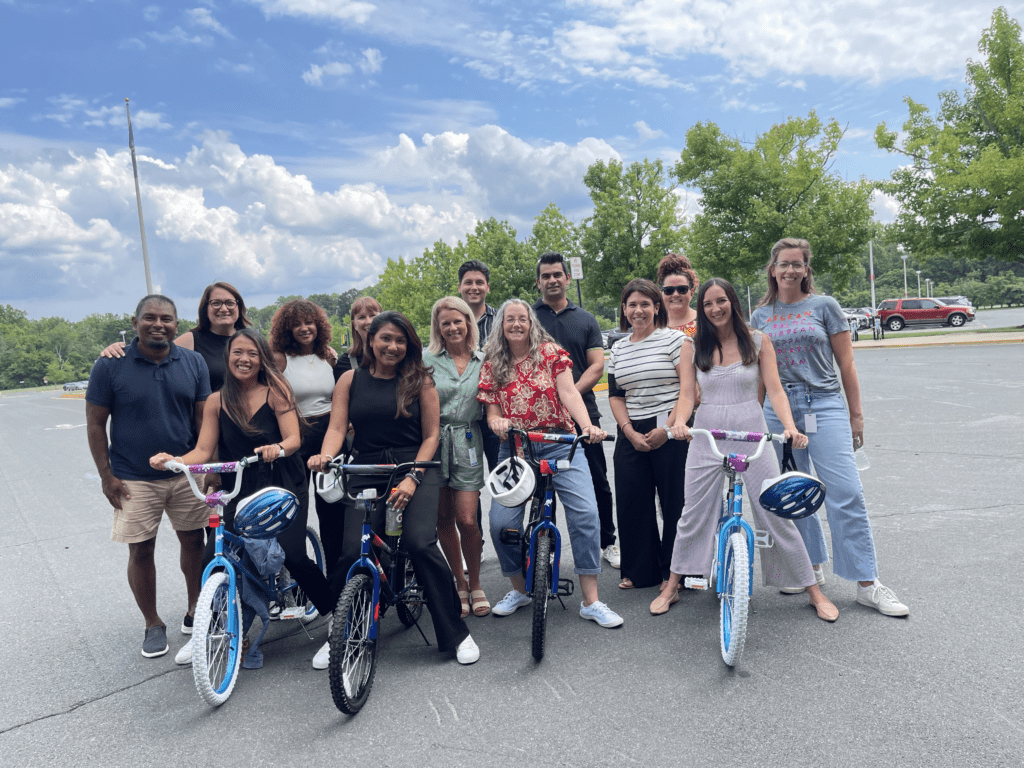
(668, 290)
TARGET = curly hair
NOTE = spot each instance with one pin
(806, 285)
(412, 373)
(290, 315)
(677, 264)
(497, 351)
(437, 342)
(243, 320)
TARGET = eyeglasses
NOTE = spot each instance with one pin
(668, 290)
(217, 303)
(796, 266)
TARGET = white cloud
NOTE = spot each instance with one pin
(201, 17)
(179, 36)
(646, 132)
(343, 10)
(372, 61)
(335, 70)
(151, 13)
(10, 101)
(116, 116)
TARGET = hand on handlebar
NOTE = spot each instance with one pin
(318, 462)
(268, 453)
(799, 440)
(160, 460)
(681, 432)
(500, 427)
(594, 434)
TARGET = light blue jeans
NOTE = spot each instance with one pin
(574, 488)
(830, 450)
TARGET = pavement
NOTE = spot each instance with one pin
(945, 435)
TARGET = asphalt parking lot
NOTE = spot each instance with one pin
(944, 433)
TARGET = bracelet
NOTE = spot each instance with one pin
(416, 476)
(668, 432)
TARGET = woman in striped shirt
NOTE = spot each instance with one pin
(643, 386)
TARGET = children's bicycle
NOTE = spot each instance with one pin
(218, 630)
(515, 482)
(371, 588)
(732, 570)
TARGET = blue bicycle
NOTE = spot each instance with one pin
(218, 632)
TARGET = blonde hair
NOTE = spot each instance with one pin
(437, 342)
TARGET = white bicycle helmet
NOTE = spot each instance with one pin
(330, 485)
(512, 482)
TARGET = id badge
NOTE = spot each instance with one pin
(472, 457)
(810, 424)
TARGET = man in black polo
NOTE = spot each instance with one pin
(153, 399)
(580, 335)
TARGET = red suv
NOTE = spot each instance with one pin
(897, 313)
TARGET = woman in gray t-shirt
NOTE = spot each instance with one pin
(811, 339)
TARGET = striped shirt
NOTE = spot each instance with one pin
(485, 323)
(644, 373)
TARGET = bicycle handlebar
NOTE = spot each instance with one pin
(218, 498)
(763, 438)
(376, 469)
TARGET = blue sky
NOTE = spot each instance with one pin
(293, 146)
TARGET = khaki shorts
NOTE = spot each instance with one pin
(139, 517)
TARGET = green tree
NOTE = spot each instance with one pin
(513, 264)
(962, 192)
(635, 222)
(782, 185)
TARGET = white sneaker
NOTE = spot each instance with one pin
(612, 554)
(184, 656)
(511, 603)
(601, 613)
(819, 577)
(467, 652)
(882, 599)
(322, 660)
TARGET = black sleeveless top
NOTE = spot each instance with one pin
(234, 444)
(372, 405)
(213, 347)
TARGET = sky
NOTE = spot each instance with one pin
(293, 146)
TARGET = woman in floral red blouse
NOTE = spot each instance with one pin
(526, 383)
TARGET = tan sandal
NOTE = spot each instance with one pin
(481, 607)
(660, 605)
(626, 584)
(464, 599)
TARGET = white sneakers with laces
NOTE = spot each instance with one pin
(882, 599)
(612, 555)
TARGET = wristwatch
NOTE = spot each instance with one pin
(416, 475)
(669, 433)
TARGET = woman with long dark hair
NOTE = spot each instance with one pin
(392, 401)
(254, 412)
(812, 339)
(731, 364)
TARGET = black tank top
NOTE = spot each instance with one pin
(372, 405)
(213, 348)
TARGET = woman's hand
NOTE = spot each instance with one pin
(318, 461)
(681, 432)
(158, 461)
(402, 494)
(500, 427)
(269, 452)
(594, 434)
(857, 427)
(115, 351)
(656, 438)
(799, 440)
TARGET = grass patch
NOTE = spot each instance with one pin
(45, 388)
(922, 334)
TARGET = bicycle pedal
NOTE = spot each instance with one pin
(695, 582)
(566, 587)
(511, 536)
(274, 610)
(763, 539)
(292, 612)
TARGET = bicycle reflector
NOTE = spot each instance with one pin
(512, 482)
(266, 513)
(330, 485)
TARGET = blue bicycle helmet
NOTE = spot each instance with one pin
(792, 495)
(266, 513)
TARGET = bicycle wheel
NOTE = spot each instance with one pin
(411, 606)
(541, 591)
(735, 599)
(216, 640)
(353, 653)
(315, 551)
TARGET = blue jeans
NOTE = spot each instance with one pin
(575, 490)
(830, 450)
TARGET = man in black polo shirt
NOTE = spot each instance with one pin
(580, 335)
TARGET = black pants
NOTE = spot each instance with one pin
(646, 552)
(599, 472)
(330, 515)
(419, 539)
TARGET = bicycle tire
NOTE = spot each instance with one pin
(216, 650)
(315, 551)
(541, 591)
(353, 659)
(735, 599)
(411, 599)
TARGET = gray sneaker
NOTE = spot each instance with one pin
(155, 643)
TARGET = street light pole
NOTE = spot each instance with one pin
(905, 292)
(918, 281)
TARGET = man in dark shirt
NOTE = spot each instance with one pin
(153, 399)
(580, 335)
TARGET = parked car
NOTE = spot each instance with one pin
(862, 316)
(76, 386)
(962, 301)
(899, 313)
(612, 335)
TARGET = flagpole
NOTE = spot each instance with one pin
(138, 199)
